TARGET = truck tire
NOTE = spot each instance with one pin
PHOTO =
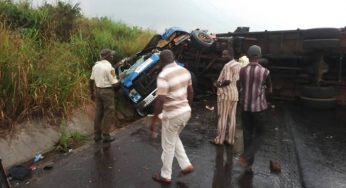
(201, 39)
(318, 92)
(320, 44)
(145, 111)
(322, 33)
(318, 103)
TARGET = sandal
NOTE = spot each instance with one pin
(160, 179)
(186, 171)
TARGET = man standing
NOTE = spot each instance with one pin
(254, 80)
(103, 77)
(227, 98)
(174, 96)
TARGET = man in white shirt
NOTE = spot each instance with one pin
(174, 96)
(102, 84)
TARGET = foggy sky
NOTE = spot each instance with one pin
(218, 15)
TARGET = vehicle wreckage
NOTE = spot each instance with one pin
(305, 64)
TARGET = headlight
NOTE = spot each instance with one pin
(134, 95)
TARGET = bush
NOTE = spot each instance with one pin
(44, 71)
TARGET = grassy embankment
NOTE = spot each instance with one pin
(46, 54)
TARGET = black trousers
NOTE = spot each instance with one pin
(253, 125)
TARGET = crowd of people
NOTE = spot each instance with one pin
(241, 79)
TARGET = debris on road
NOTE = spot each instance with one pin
(275, 166)
(211, 108)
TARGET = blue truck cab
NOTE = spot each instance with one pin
(139, 81)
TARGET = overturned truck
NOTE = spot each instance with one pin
(305, 64)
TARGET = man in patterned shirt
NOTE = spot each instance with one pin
(174, 96)
(254, 81)
(227, 98)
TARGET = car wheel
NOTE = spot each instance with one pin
(201, 39)
(318, 103)
(321, 33)
(318, 92)
(320, 44)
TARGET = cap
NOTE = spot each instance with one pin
(106, 52)
(254, 51)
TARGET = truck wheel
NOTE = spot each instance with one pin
(201, 39)
(319, 103)
(318, 92)
(321, 33)
(320, 44)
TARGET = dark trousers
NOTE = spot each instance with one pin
(104, 118)
(253, 123)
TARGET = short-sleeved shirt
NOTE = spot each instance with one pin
(253, 79)
(172, 83)
(104, 74)
(230, 72)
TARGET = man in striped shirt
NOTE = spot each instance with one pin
(174, 96)
(254, 81)
(227, 98)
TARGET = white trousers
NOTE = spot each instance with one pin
(226, 111)
(172, 145)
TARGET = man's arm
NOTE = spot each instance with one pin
(269, 84)
(92, 89)
(158, 106)
(116, 86)
(223, 83)
(190, 94)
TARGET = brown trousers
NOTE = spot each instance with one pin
(104, 118)
(226, 111)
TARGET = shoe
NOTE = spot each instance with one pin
(160, 179)
(108, 140)
(186, 171)
(215, 143)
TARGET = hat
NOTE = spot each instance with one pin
(106, 52)
(254, 51)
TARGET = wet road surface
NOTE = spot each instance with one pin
(131, 160)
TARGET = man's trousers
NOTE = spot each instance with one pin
(172, 145)
(226, 111)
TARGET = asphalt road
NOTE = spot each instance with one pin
(308, 144)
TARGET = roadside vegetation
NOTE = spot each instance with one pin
(46, 54)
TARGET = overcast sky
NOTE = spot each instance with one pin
(218, 16)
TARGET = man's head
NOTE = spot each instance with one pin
(166, 57)
(254, 52)
(227, 54)
(107, 54)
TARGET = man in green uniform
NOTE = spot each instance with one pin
(103, 83)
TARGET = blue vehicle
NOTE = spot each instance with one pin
(139, 81)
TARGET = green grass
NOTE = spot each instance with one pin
(69, 140)
(44, 71)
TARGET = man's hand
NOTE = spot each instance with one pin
(226, 82)
(153, 127)
(92, 96)
(222, 83)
